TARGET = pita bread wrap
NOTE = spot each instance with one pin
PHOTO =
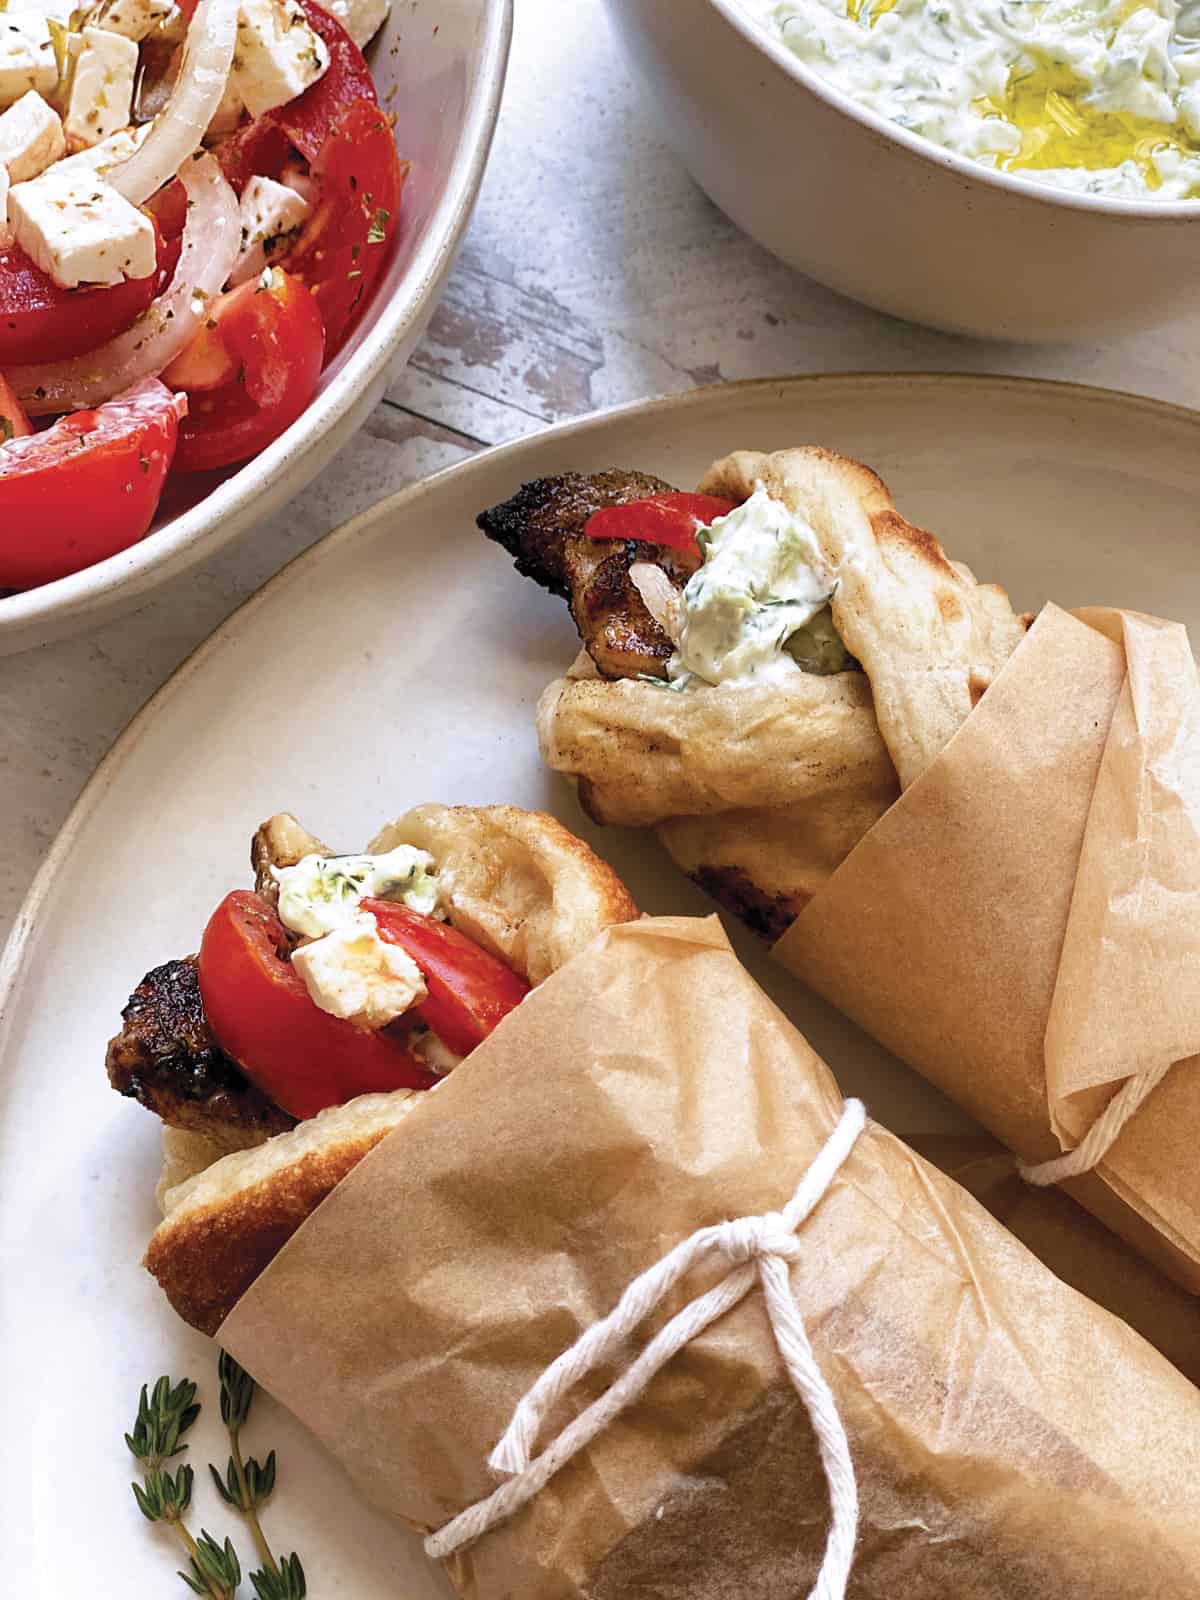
(1008, 1438)
(1018, 918)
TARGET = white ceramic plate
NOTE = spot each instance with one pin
(396, 662)
(439, 67)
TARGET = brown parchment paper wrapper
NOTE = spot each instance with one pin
(1023, 925)
(1075, 1246)
(1011, 1440)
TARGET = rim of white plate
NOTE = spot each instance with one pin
(755, 33)
(216, 520)
(19, 941)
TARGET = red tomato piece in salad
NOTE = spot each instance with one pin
(662, 519)
(313, 116)
(344, 245)
(251, 370)
(86, 487)
(262, 1015)
(40, 322)
(263, 147)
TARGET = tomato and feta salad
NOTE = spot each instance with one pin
(196, 204)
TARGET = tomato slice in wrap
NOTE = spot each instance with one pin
(262, 1015)
(670, 520)
(470, 990)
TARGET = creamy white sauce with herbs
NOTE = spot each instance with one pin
(321, 893)
(1101, 96)
(757, 610)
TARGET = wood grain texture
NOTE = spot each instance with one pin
(595, 272)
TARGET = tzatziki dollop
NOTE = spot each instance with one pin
(322, 893)
(757, 609)
(1101, 96)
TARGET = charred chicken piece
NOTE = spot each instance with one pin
(541, 527)
(281, 841)
(166, 1057)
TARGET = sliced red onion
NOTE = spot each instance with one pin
(211, 239)
(177, 131)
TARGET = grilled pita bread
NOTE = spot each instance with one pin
(760, 791)
(930, 639)
(520, 884)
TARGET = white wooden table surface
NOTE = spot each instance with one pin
(595, 272)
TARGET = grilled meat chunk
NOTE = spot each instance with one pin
(281, 841)
(165, 1056)
(541, 527)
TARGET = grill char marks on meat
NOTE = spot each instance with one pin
(165, 1056)
(541, 527)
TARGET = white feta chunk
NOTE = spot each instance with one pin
(362, 19)
(6, 237)
(27, 59)
(97, 160)
(270, 213)
(80, 231)
(277, 56)
(133, 19)
(31, 137)
(102, 90)
(353, 973)
(228, 114)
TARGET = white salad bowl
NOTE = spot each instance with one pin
(439, 67)
(884, 215)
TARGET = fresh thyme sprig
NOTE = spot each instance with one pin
(248, 1484)
(164, 1415)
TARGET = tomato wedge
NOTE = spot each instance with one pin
(470, 990)
(39, 322)
(264, 146)
(262, 1016)
(313, 116)
(345, 244)
(670, 520)
(85, 487)
(249, 372)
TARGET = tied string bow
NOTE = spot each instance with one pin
(758, 1250)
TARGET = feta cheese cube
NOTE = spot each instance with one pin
(102, 92)
(133, 19)
(27, 59)
(353, 973)
(362, 19)
(80, 231)
(31, 137)
(6, 237)
(96, 161)
(228, 114)
(277, 55)
(269, 213)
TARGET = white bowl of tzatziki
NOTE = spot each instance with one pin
(1023, 169)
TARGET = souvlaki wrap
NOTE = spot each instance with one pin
(979, 838)
(1002, 1436)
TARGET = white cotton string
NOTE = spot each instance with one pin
(1102, 1135)
(757, 1250)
